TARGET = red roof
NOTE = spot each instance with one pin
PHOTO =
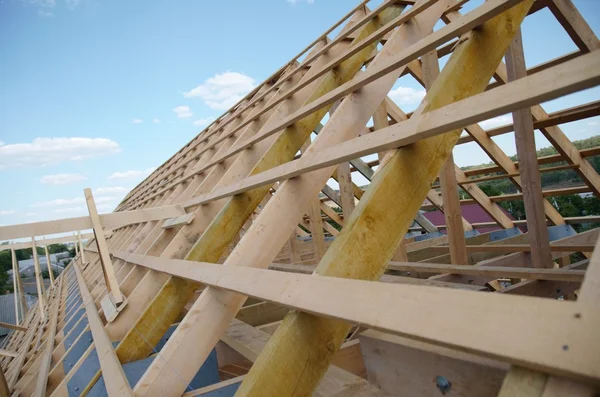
(473, 213)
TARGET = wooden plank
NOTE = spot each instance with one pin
(580, 32)
(107, 266)
(316, 228)
(344, 179)
(4, 390)
(457, 317)
(49, 265)
(39, 282)
(15, 286)
(529, 172)
(178, 221)
(109, 221)
(491, 271)
(250, 342)
(452, 211)
(41, 382)
(56, 240)
(12, 326)
(81, 253)
(405, 367)
(8, 353)
(109, 363)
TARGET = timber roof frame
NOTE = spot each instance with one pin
(236, 213)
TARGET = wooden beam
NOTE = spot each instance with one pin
(580, 32)
(81, 253)
(109, 221)
(490, 271)
(115, 381)
(55, 240)
(41, 382)
(8, 353)
(107, 266)
(452, 211)
(458, 317)
(49, 265)
(407, 367)
(4, 390)
(344, 179)
(13, 326)
(13, 257)
(529, 172)
(39, 282)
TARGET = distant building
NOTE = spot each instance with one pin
(27, 269)
(7, 310)
(473, 213)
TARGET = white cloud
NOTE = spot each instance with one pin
(183, 111)
(157, 121)
(137, 121)
(125, 174)
(111, 189)
(105, 207)
(44, 13)
(72, 3)
(72, 201)
(293, 2)
(406, 95)
(593, 123)
(496, 122)
(59, 202)
(62, 179)
(70, 209)
(51, 151)
(131, 174)
(223, 90)
(30, 214)
(204, 121)
(7, 212)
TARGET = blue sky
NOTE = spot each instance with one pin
(96, 93)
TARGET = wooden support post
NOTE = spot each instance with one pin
(528, 167)
(4, 390)
(380, 120)
(107, 266)
(49, 265)
(346, 190)
(293, 245)
(75, 244)
(452, 212)
(21, 293)
(81, 248)
(15, 286)
(381, 218)
(39, 282)
(316, 227)
(45, 366)
(530, 383)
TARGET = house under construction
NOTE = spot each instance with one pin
(223, 273)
